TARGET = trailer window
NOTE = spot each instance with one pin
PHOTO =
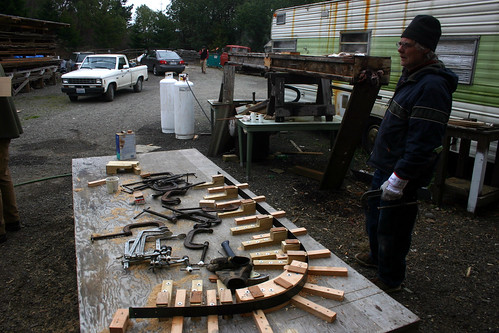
(355, 41)
(459, 54)
(281, 18)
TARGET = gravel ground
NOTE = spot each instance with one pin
(453, 264)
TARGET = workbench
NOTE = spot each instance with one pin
(478, 194)
(249, 128)
(104, 286)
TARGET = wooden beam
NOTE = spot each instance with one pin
(120, 321)
(325, 292)
(178, 321)
(212, 321)
(261, 322)
(313, 308)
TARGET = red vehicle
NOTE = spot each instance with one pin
(232, 49)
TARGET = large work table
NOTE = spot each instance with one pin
(104, 285)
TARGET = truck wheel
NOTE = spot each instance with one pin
(73, 98)
(155, 71)
(109, 95)
(138, 86)
(370, 134)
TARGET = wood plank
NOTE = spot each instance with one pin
(120, 321)
(325, 292)
(212, 321)
(178, 321)
(327, 271)
(314, 308)
(261, 322)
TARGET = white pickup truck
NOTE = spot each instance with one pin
(103, 74)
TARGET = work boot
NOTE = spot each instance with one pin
(16, 226)
(235, 278)
(386, 288)
(364, 259)
(223, 263)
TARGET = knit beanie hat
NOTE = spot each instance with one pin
(425, 30)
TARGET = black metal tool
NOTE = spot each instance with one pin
(170, 218)
(198, 215)
(237, 260)
(126, 230)
(188, 241)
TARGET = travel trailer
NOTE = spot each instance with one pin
(469, 46)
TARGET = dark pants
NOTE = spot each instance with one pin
(389, 227)
(8, 206)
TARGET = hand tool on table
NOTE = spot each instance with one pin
(203, 218)
(127, 230)
(166, 197)
(170, 218)
(235, 271)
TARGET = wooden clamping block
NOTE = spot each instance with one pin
(164, 297)
(212, 321)
(216, 180)
(328, 271)
(119, 322)
(112, 167)
(261, 322)
(208, 203)
(290, 245)
(263, 222)
(196, 295)
(248, 206)
(296, 255)
(297, 267)
(296, 232)
(178, 321)
(330, 293)
(219, 189)
(313, 308)
(230, 192)
(278, 214)
(317, 254)
(265, 255)
(276, 236)
(224, 296)
(269, 264)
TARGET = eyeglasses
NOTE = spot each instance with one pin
(404, 45)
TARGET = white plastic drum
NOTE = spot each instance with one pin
(167, 99)
(184, 109)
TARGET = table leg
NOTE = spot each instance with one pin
(479, 167)
(240, 139)
(249, 152)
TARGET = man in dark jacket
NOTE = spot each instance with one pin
(10, 128)
(203, 56)
(406, 150)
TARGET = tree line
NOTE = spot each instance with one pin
(184, 24)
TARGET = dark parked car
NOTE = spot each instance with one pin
(161, 61)
(76, 59)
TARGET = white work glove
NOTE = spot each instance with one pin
(393, 188)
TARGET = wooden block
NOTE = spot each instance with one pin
(278, 234)
(259, 198)
(163, 298)
(165, 295)
(178, 321)
(296, 232)
(245, 220)
(213, 278)
(269, 264)
(224, 294)
(296, 255)
(230, 157)
(265, 255)
(261, 322)
(283, 282)
(282, 256)
(325, 292)
(263, 222)
(313, 308)
(290, 245)
(230, 192)
(119, 322)
(255, 291)
(248, 207)
(329, 271)
(212, 321)
(207, 203)
(297, 267)
(197, 292)
(278, 214)
(112, 167)
(216, 180)
(97, 183)
(317, 254)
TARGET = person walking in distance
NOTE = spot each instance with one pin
(406, 150)
(203, 54)
(10, 128)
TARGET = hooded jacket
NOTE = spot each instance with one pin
(414, 124)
